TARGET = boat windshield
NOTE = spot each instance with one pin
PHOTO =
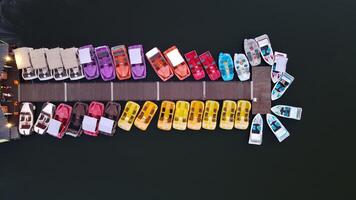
(274, 67)
(256, 128)
(280, 87)
(275, 126)
(285, 83)
(103, 54)
(285, 111)
(158, 61)
(265, 50)
(42, 126)
(119, 52)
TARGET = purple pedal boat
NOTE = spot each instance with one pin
(87, 59)
(105, 62)
(137, 60)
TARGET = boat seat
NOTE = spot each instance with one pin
(74, 72)
(60, 72)
(42, 125)
(107, 70)
(28, 72)
(25, 126)
(91, 70)
(43, 73)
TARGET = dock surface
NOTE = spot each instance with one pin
(258, 90)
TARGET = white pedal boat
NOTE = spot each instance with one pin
(39, 63)
(23, 62)
(43, 119)
(71, 63)
(55, 64)
(26, 118)
(242, 67)
(252, 51)
(277, 127)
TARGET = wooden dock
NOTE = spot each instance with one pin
(258, 90)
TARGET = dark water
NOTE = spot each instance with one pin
(316, 161)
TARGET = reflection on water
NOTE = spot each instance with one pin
(9, 10)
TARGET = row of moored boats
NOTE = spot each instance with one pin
(125, 63)
(95, 118)
(121, 62)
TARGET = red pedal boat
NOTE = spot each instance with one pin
(59, 124)
(91, 121)
(195, 65)
(210, 66)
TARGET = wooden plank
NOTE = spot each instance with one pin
(182, 90)
(134, 91)
(40, 92)
(261, 77)
(185, 90)
(88, 91)
(232, 90)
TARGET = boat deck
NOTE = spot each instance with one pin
(258, 90)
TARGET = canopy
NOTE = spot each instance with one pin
(22, 57)
(135, 56)
(281, 63)
(106, 125)
(54, 58)
(175, 57)
(84, 56)
(53, 127)
(152, 52)
(38, 58)
(69, 57)
(89, 123)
